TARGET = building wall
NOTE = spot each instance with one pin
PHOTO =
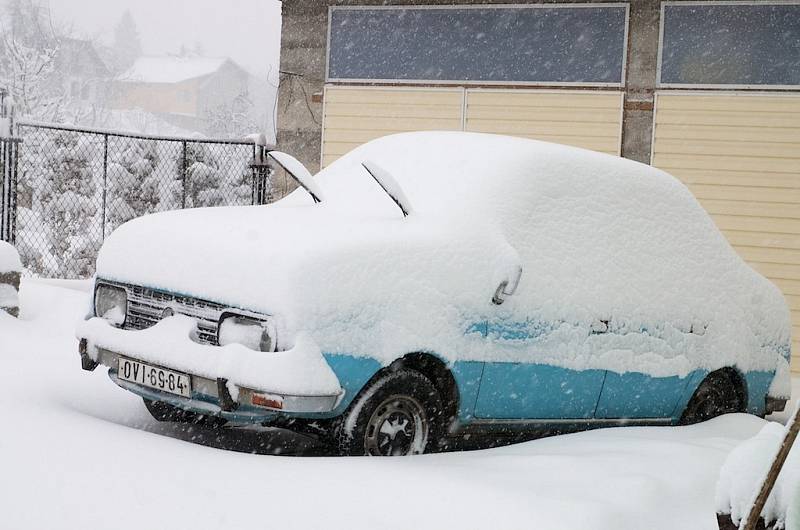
(178, 98)
(303, 61)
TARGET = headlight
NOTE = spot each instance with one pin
(258, 335)
(111, 303)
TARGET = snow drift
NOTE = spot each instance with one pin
(744, 470)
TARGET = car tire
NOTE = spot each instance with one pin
(400, 413)
(716, 395)
(165, 412)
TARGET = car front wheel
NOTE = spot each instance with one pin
(399, 414)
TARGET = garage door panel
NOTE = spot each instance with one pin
(549, 129)
(736, 163)
(769, 255)
(587, 119)
(750, 208)
(758, 224)
(763, 239)
(382, 110)
(354, 115)
(794, 304)
(337, 95)
(740, 178)
(743, 118)
(690, 131)
(787, 286)
(526, 99)
(722, 102)
(392, 124)
(740, 155)
(527, 114)
(777, 271)
(746, 194)
(738, 148)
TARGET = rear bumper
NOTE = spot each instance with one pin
(773, 404)
(216, 389)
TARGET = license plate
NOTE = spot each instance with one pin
(154, 377)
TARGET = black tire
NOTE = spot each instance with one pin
(717, 395)
(167, 413)
(400, 413)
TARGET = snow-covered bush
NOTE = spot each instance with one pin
(745, 469)
(68, 204)
(133, 187)
(200, 178)
(10, 268)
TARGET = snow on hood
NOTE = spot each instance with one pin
(600, 239)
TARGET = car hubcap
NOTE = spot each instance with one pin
(398, 427)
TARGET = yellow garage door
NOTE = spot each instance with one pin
(588, 119)
(740, 156)
(355, 115)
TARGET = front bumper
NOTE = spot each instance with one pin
(217, 394)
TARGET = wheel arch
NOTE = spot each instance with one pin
(435, 369)
(727, 373)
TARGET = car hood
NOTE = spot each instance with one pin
(298, 261)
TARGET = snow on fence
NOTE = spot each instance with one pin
(74, 186)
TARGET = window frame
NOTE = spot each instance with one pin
(712, 86)
(473, 83)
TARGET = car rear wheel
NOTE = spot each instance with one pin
(716, 395)
(399, 414)
(165, 412)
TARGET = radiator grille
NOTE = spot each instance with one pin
(146, 307)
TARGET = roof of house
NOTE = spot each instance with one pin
(171, 69)
(80, 57)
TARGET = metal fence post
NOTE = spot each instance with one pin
(183, 176)
(105, 186)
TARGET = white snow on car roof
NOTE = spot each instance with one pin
(599, 238)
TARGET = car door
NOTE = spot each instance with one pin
(636, 395)
(527, 390)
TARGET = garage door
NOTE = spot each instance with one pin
(588, 119)
(740, 156)
(355, 115)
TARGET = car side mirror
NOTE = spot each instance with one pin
(507, 286)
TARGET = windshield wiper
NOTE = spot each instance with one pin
(298, 172)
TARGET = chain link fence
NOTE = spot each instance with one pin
(75, 186)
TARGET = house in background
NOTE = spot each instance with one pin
(204, 94)
(79, 72)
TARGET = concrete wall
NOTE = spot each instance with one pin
(303, 57)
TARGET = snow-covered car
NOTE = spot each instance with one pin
(427, 284)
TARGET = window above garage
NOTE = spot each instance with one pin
(562, 45)
(730, 45)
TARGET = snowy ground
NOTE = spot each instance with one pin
(77, 452)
